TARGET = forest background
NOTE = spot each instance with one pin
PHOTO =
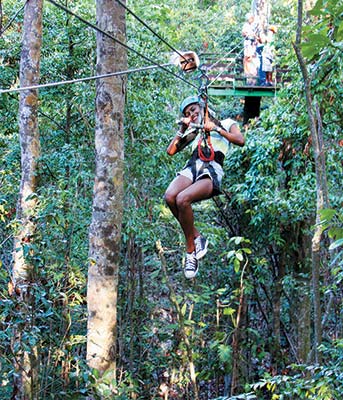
(262, 320)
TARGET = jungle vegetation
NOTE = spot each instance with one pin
(263, 319)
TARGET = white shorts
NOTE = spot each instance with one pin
(198, 169)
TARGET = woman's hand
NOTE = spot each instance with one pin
(186, 120)
(209, 126)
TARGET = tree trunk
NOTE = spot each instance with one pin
(29, 137)
(302, 300)
(26, 364)
(303, 319)
(261, 9)
(238, 365)
(105, 229)
(315, 124)
(280, 269)
(26, 380)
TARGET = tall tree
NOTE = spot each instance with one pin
(316, 129)
(261, 10)
(22, 274)
(105, 229)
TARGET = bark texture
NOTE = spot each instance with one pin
(261, 10)
(25, 384)
(105, 229)
(29, 136)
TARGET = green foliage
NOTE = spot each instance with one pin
(58, 251)
(246, 396)
(326, 31)
(107, 386)
(333, 221)
(264, 214)
(308, 381)
(238, 256)
(150, 123)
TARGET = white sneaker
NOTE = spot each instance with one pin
(201, 245)
(191, 267)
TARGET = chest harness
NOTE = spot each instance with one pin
(205, 147)
(206, 152)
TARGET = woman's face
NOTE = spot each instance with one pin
(193, 112)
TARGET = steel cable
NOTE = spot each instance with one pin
(54, 84)
(118, 41)
(77, 80)
(150, 29)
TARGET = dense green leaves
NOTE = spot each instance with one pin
(326, 31)
(262, 222)
(308, 381)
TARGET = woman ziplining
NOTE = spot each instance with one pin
(201, 177)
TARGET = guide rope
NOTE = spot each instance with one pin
(150, 29)
(88, 78)
(205, 148)
(204, 81)
(118, 41)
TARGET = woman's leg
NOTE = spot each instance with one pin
(179, 196)
(199, 190)
(179, 184)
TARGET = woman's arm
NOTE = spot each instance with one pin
(173, 145)
(234, 135)
(180, 140)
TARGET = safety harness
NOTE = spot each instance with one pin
(205, 148)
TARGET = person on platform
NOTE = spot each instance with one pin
(268, 56)
(250, 57)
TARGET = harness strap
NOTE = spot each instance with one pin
(209, 156)
(206, 153)
(206, 169)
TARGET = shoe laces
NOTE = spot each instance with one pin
(198, 243)
(191, 262)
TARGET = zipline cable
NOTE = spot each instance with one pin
(13, 19)
(77, 80)
(118, 41)
(88, 78)
(150, 29)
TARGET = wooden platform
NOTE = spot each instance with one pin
(250, 90)
(226, 78)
